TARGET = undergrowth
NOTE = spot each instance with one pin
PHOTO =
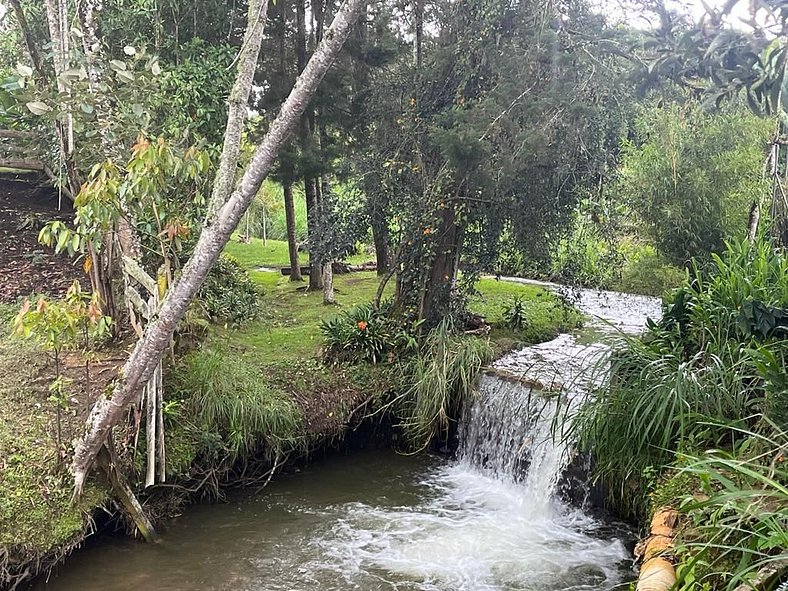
(694, 413)
(234, 413)
(441, 378)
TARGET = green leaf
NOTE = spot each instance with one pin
(71, 74)
(117, 65)
(38, 107)
(24, 71)
(61, 242)
(86, 108)
(137, 109)
(125, 76)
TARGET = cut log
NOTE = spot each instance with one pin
(338, 268)
(363, 267)
(23, 164)
(16, 134)
(286, 271)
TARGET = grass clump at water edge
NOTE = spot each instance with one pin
(441, 378)
(234, 412)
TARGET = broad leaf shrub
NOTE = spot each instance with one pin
(515, 315)
(707, 371)
(366, 335)
(228, 294)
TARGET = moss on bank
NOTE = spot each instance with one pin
(243, 396)
(37, 519)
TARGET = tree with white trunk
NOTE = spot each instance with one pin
(108, 411)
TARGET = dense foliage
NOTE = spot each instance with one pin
(709, 375)
(690, 178)
(228, 295)
(523, 137)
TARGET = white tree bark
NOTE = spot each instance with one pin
(328, 284)
(57, 21)
(237, 105)
(144, 359)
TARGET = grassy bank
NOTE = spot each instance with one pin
(694, 418)
(240, 399)
(38, 523)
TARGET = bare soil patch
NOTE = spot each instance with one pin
(26, 266)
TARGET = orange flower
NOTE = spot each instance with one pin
(427, 231)
(362, 325)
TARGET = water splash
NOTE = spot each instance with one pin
(492, 520)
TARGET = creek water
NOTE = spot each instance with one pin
(489, 519)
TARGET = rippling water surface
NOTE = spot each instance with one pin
(489, 520)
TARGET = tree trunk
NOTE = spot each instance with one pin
(63, 130)
(292, 247)
(305, 132)
(328, 284)
(312, 217)
(238, 103)
(147, 354)
(327, 275)
(753, 220)
(418, 37)
(443, 268)
(30, 43)
(382, 239)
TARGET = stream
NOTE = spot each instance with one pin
(491, 519)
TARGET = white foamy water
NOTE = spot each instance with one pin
(476, 533)
(492, 520)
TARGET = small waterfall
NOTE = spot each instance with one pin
(492, 519)
(507, 435)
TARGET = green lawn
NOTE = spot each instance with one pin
(272, 254)
(291, 324)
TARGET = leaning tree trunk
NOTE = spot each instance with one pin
(145, 357)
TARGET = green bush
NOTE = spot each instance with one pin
(585, 257)
(690, 177)
(647, 272)
(365, 335)
(515, 315)
(228, 294)
(442, 376)
(712, 365)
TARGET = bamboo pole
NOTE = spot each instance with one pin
(657, 572)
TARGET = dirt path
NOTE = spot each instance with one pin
(26, 266)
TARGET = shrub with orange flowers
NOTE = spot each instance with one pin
(365, 335)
